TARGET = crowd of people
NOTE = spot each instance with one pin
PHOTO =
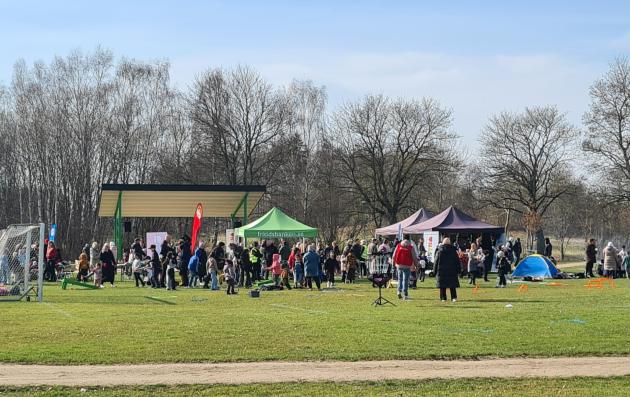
(175, 264)
(301, 264)
(613, 262)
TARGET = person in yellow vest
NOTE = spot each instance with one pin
(255, 257)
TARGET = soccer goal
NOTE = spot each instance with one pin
(21, 262)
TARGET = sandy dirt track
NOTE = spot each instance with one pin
(267, 372)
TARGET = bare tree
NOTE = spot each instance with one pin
(238, 118)
(389, 148)
(608, 134)
(308, 104)
(561, 219)
(524, 160)
(74, 124)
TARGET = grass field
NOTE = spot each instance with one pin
(522, 387)
(130, 325)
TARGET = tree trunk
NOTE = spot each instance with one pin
(507, 223)
(540, 241)
(392, 216)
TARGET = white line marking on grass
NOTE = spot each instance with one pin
(58, 310)
(284, 306)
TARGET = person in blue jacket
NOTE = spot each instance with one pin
(312, 268)
(193, 267)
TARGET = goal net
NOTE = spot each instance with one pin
(21, 261)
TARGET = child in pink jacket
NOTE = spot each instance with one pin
(276, 269)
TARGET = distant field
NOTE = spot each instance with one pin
(574, 250)
(129, 325)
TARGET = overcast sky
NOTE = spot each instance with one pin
(476, 57)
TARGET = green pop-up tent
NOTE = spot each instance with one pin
(276, 224)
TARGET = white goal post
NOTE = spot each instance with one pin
(21, 262)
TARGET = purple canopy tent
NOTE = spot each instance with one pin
(417, 217)
(452, 220)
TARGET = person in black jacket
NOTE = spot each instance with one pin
(165, 249)
(246, 269)
(518, 250)
(488, 257)
(203, 258)
(548, 248)
(331, 265)
(269, 252)
(136, 247)
(447, 268)
(591, 257)
(185, 254)
(218, 253)
(357, 249)
(156, 265)
(108, 265)
(503, 269)
(285, 252)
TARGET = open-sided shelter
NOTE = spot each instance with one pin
(176, 201)
(276, 224)
(417, 217)
(453, 221)
(179, 201)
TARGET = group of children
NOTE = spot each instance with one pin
(476, 259)
(293, 269)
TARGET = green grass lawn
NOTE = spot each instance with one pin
(130, 325)
(452, 388)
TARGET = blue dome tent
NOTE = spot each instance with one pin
(536, 266)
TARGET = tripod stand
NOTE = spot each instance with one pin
(380, 301)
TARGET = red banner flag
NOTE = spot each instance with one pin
(196, 227)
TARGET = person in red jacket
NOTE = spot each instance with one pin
(403, 259)
(52, 258)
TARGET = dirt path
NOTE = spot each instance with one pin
(235, 373)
